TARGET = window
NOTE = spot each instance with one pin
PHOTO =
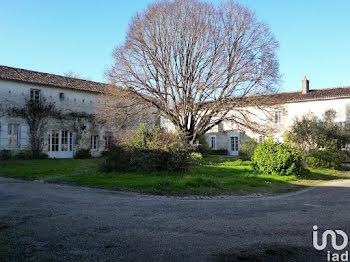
(61, 96)
(13, 134)
(60, 141)
(64, 140)
(212, 142)
(278, 117)
(35, 95)
(94, 142)
(234, 143)
(55, 141)
(109, 141)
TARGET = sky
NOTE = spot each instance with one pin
(79, 36)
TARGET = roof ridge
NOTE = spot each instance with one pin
(45, 73)
(48, 79)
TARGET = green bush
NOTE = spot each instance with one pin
(149, 160)
(203, 146)
(44, 156)
(150, 149)
(196, 156)
(24, 155)
(246, 151)
(117, 159)
(328, 158)
(277, 159)
(221, 152)
(5, 155)
(82, 154)
(125, 159)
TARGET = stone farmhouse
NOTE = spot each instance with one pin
(77, 100)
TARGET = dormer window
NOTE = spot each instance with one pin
(35, 95)
(62, 96)
(278, 117)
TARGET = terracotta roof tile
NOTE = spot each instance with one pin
(285, 97)
(33, 77)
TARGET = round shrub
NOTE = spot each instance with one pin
(82, 154)
(246, 151)
(24, 155)
(327, 158)
(5, 155)
(117, 159)
(277, 158)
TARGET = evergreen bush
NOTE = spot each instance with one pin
(277, 158)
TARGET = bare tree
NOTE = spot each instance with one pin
(36, 115)
(195, 63)
(72, 74)
(123, 110)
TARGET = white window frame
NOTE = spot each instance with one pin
(60, 141)
(35, 95)
(94, 142)
(13, 134)
(234, 143)
(211, 140)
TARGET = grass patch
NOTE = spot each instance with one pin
(40, 169)
(212, 175)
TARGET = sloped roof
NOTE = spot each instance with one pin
(315, 94)
(34, 77)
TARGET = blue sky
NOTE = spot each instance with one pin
(79, 36)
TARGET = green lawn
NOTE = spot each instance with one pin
(213, 175)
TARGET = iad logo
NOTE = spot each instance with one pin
(334, 242)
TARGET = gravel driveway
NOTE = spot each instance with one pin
(50, 222)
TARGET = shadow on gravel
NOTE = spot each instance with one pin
(272, 253)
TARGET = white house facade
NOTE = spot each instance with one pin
(74, 98)
(78, 99)
(288, 107)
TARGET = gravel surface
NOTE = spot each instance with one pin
(51, 222)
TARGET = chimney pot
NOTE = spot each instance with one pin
(305, 86)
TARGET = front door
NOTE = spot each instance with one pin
(234, 145)
(60, 144)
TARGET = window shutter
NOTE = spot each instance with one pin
(19, 135)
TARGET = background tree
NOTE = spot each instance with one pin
(310, 132)
(123, 110)
(71, 74)
(195, 62)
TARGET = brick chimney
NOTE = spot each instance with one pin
(305, 86)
